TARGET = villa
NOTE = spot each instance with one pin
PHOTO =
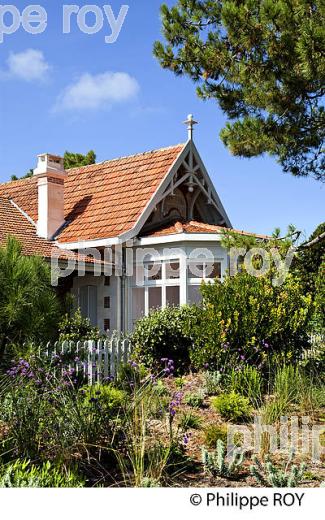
(159, 209)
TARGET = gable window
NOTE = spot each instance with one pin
(88, 303)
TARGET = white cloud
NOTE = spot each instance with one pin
(91, 92)
(29, 65)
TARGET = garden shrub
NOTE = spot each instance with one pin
(246, 319)
(194, 399)
(22, 473)
(213, 382)
(233, 407)
(110, 399)
(165, 334)
(77, 328)
(213, 433)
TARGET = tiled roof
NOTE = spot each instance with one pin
(102, 200)
(197, 227)
(14, 223)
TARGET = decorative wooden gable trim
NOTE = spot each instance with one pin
(188, 174)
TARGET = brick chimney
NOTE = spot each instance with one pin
(51, 176)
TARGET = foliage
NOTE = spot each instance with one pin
(267, 474)
(165, 334)
(247, 319)
(310, 260)
(213, 433)
(233, 407)
(189, 420)
(314, 362)
(287, 383)
(247, 382)
(77, 160)
(130, 375)
(194, 399)
(22, 473)
(110, 399)
(287, 388)
(29, 308)
(71, 160)
(47, 418)
(213, 382)
(77, 328)
(144, 459)
(26, 176)
(263, 62)
(180, 382)
(320, 298)
(216, 464)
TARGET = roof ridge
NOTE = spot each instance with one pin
(26, 179)
(139, 154)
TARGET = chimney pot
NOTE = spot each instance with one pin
(51, 176)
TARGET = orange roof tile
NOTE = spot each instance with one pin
(14, 223)
(102, 200)
(197, 227)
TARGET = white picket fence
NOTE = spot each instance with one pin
(96, 361)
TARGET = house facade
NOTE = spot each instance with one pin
(141, 232)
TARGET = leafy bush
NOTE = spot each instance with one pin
(267, 474)
(22, 473)
(246, 319)
(232, 407)
(165, 334)
(194, 399)
(77, 328)
(216, 464)
(213, 433)
(109, 398)
(247, 382)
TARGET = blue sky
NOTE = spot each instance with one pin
(61, 92)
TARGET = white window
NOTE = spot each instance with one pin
(154, 286)
(203, 270)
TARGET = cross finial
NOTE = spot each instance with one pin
(190, 122)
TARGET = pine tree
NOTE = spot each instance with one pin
(76, 160)
(264, 63)
(29, 308)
